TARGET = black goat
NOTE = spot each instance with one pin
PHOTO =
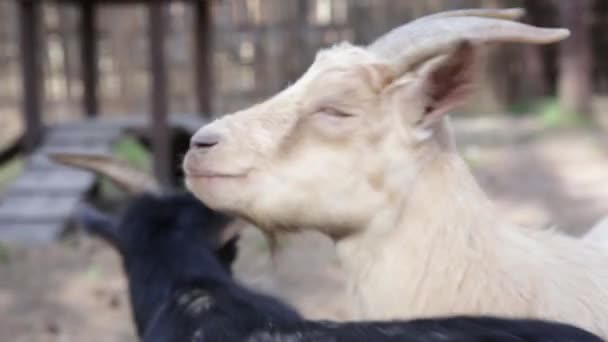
(181, 288)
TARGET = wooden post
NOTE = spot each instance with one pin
(203, 59)
(575, 57)
(88, 45)
(297, 54)
(29, 15)
(160, 131)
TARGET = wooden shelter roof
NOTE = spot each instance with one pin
(114, 2)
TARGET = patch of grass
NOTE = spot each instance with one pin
(9, 171)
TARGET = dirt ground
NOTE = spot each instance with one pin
(74, 291)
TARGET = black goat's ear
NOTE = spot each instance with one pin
(227, 253)
(232, 229)
(98, 223)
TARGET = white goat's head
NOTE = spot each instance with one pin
(326, 152)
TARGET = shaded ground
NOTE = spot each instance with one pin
(73, 290)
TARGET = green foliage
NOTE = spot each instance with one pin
(553, 115)
(9, 171)
(4, 255)
(129, 149)
(135, 154)
(550, 113)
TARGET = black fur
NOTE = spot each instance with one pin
(182, 289)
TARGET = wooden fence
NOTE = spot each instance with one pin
(259, 47)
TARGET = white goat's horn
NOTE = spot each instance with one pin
(404, 30)
(497, 13)
(125, 176)
(419, 40)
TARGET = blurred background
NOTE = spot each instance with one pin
(136, 78)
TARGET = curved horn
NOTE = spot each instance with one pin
(404, 30)
(497, 13)
(125, 176)
(419, 40)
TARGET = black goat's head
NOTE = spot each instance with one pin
(153, 221)
(163, 223)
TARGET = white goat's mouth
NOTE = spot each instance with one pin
(195, 168)
(214, 175)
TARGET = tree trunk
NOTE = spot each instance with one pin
(534, 80)
(575, 82)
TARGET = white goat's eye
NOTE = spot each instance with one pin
(334, 113)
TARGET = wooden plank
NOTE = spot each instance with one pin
(40, 208)
(82, 138)
(80, 148)
(37, 207)
(30, 19)
(88, 52)
(66, 135)
(31, 233)
(58, 181)
(159, 103)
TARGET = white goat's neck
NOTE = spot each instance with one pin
(441, 216)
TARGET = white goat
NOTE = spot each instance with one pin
(359, 148)
(599, 232)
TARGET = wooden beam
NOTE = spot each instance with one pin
(29, 18)
(88, 53)
(118, 2)
(203, 59)
(160, 131)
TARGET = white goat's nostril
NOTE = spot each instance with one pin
(204, 140)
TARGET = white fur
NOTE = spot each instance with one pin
(599, 232)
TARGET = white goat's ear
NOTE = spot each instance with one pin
(378, 75)
(447, 82)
